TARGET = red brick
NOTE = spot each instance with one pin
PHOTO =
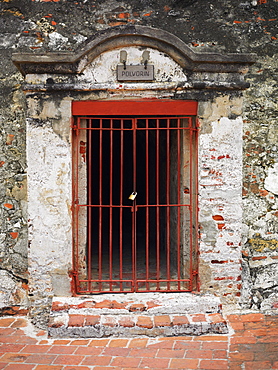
(235, 365)
(92, 320)
(242, 356)
(6, 322)
(35, 348)
(187, 345)
(40, 359)
(9, 347)
(76, 320)
(68, 359)
(242, 339)
(19, 367)
(104, 304)
(199, 354)
(180, 320)
(179, 363)
(216, 318)
(214, 364)
(127, 322)
(253, 317)
(126, 362)
(98, 343)
(49, 367)
(159, 363)
(165, 343)
(97, 360)
(138, 343)
(118, 305)
(198, 318)
(163, 320)
(143, 352)
(211, 338)
(109, 321)
(81, 368)
(61, 341)
(258, 365)
(144, 322)
(237, 326)
(137, 307)
(234, 318)
(116, 351)
(215, 345)
(80, 342)
(62, 349)
(220, 354)
(92, 351)
(19, 323)
(118, 342)
(14, 357)
(171, 353)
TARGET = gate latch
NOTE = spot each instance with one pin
(132, 195)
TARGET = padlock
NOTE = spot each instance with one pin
(132, 195)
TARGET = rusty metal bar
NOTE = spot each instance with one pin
(134, 267)
(179, 133)
(157, 209)
(100, 209)
(121, 203)
(147, 204)
(168, 240)
(191, 203)
(110, 207)
(89, 197)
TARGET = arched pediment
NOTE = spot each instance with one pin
(75, 62)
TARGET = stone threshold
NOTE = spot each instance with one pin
(136, 314)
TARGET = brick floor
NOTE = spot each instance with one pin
(251, 344)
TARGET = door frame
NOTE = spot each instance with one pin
(148, 107)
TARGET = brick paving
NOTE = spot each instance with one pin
(251, 344)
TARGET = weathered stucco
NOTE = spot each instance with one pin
(237, 148)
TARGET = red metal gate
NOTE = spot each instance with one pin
(135, 196)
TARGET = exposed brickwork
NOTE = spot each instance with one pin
(252, 347)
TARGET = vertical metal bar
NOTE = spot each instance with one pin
(89, 197)
(168, 242)
(147, 203)
(196, 183)
(179, 133)
(110, 207)
(100, 208)
(157, 206)
(191, 204)
(121, 202)
(134, 270)
(75, 206)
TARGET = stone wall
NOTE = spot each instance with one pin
(205, 26)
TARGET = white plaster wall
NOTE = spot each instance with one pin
(220, 207)
(49, 207)
(102, 70)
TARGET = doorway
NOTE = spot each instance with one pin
(135, 200)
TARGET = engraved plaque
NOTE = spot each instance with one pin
(135, 73)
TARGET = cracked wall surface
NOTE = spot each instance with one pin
(205, 26)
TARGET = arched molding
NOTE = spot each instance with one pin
(123, 36)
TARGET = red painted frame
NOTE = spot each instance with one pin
(157, 108)
(135, 107)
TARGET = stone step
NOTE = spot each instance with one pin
(158, 314)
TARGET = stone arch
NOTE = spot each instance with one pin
(132, 35)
